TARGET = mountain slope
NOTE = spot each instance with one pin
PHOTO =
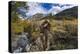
(37, 16)
(72, 12)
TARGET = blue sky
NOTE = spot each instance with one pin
(47, 6)
(44, 8)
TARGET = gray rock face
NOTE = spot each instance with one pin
(18, 50)
(22, 42)
(24, 45)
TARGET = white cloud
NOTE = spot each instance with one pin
(35, 8)
(54, 10)
(66, 7)
(57, 9)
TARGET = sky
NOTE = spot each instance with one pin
(43, 8)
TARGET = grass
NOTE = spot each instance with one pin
(64, 33)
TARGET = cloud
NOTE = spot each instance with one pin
(59, 7)
(54, 10)
(67, 6)
(35, 8)
(41, 8)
